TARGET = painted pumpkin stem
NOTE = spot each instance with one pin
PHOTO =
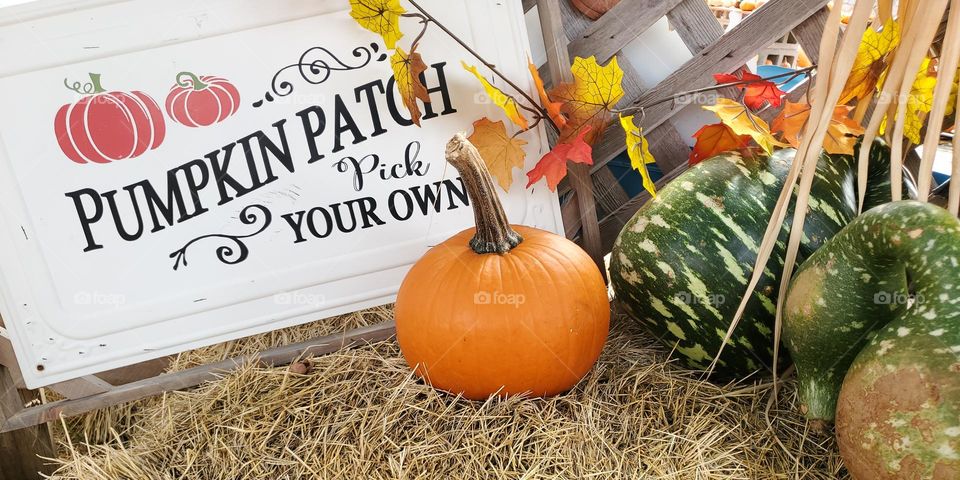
(191, 80)
(93, 87)
(494, 234)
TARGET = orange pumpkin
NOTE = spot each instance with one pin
(501, 309)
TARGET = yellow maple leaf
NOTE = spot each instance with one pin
(841, 134)
(500, 152)
(590, 99)
(639, 152)
(500, 99)
(406, 70)
(379, 16)
(870, 62)
(919, 102)
(739, 118)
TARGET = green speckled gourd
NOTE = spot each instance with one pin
(681, 264)
(851, 320)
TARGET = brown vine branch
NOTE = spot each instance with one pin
(540, 111)
(423, 21)
(787, 76)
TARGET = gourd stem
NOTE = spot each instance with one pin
(194, 81)
(494, 234)
(95, 82)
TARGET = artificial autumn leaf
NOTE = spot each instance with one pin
(722, 78)
(500, 99)
(590, 99)
(552, 108)
(500, 152)
(919, 103)
(755, 93)
(871, 61)
(713, 139)
(406, 71)
(639, 152)
(553, 165)
(379, 16)
(739, 118)
(841, 135)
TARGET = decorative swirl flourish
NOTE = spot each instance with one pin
(226, 253)
(315, 67)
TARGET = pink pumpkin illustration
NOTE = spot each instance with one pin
(201, 101)
(107, 126)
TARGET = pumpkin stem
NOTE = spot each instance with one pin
(194, 81)
(91, 88)
(494, 234)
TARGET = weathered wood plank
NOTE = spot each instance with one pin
(695, 24)
(20, 451)
(608, 192)
(570, 213)
(137, 371)
(556, 43)
(84, 386)
(809, 32)
(668, 147)
(731, 51)
(197, 375)
(618, 27)
(9, 360)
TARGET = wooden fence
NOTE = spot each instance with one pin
(712, 50)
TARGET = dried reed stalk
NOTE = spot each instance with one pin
(949, 58)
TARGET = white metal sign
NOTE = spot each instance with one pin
(175, 174)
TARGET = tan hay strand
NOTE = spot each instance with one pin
(361, 414)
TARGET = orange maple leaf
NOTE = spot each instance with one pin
(740, 119)
(716, 138)
(552, 108)
(500, 151)
(553, 165)
(590, 99)
(841, 134)
(407, 70)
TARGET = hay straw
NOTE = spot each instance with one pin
(361, 414)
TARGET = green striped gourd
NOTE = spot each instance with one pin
(681, 264)
(850, 319)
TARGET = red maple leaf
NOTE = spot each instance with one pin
(757, 92)
(553, 165)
